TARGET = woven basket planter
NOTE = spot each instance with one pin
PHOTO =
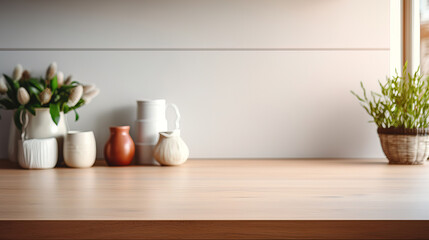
(405, 146)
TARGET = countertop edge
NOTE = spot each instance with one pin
(214, 229)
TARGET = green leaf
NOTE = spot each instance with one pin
(54, 84)
(364, 91)
(66, 108)
(33, 91)
(36, 84)
(357, 96)
(12, 84)
(79, 104)
(67, 87)
(11, 93)
(31, 110)
(403, 102)
(17, 118)
(7, 103)
(56, 98)
(76, 115)
(54, 110)
(375, 94)
(366, 109)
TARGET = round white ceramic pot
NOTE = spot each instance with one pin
(79, 149)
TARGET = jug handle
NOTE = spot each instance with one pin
(23, 118)
(176, 110)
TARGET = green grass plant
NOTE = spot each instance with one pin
(402, 103)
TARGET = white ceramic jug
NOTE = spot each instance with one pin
(151, 119)
(41, 153)
(42, 126)
(39, 126)
(171, 150)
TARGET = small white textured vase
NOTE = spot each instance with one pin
(38, 153)
(171, 150)
(79, 149)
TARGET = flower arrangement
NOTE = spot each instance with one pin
(403, 102)
(23, 92)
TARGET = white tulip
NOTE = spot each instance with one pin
(88, 96)
(60, 79)
(3, 86)
(23, 96)
(75, 95)
(51, 71)
(26, 75)
(88, 88)
(45, 96)
(68, 80)
(17, 72)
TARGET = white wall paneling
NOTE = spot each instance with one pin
(233, 103)
(195, 24)
(251, 78)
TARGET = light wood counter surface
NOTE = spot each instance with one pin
(229, 198)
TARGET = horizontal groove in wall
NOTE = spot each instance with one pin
(194, 49)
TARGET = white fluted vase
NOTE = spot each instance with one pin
(38, 153)
(41, 126)
(171, 150)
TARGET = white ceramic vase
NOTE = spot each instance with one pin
(38, 153)
(151, 119)
(79, 149)
(151, 109)
(41, 125)
(171, 150)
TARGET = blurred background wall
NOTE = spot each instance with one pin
(252, 78)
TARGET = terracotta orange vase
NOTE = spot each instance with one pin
(119, 149)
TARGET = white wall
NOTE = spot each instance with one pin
(251, 78)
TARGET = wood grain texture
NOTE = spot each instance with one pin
(277, 229)
(218, 199)
(220, 190)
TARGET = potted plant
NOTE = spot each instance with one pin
(401, 114)
(46, 99)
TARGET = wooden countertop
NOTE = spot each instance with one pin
(255, 199)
